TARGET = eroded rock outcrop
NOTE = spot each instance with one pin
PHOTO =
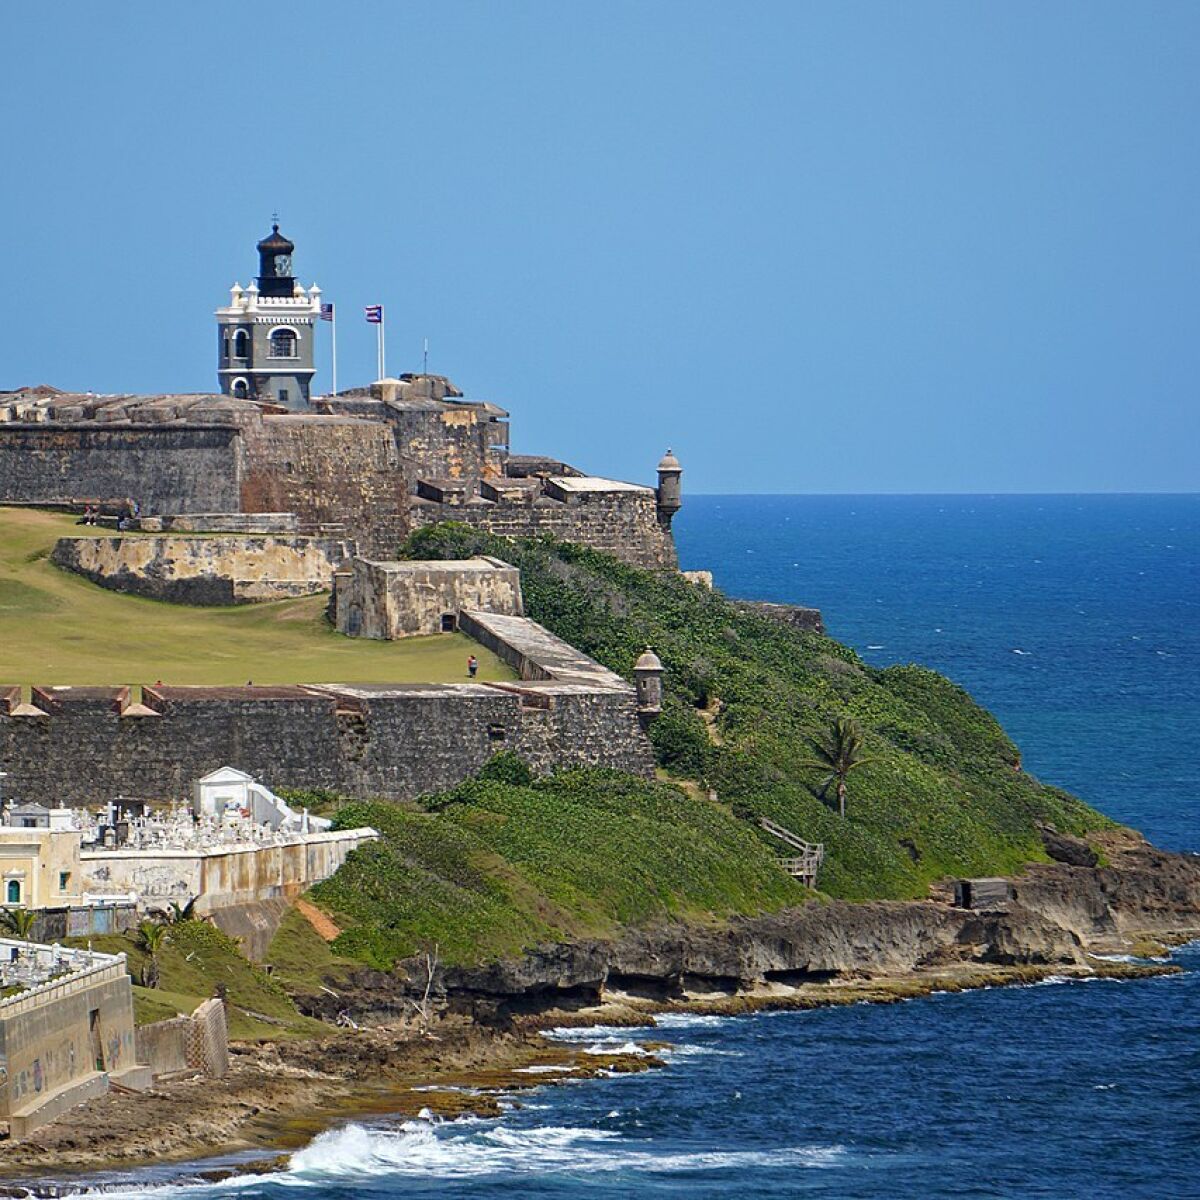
(1059, 913)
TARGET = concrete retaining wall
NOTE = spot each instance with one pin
(60, 1039)
(199, 1042)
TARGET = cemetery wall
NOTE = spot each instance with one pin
(221, 876)
(58, 1041)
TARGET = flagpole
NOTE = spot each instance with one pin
(379, 331)
(333, 331)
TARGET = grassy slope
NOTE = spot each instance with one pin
(496, 866)
(502, 866)
(197, 957)
(57, 628)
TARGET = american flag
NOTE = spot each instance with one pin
(374, 314)
(326, 312)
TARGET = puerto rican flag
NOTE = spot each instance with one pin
(326, 312)
(374, 314)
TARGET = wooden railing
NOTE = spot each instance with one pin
(803, 866)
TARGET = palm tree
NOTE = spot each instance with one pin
(838, 755)
(152, 935)
(19, 922)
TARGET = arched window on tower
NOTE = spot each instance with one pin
(240, 390)
(283, 344)
(241, 344)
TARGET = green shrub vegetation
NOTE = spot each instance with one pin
(508, 860)
(495, 866)
(942, 795)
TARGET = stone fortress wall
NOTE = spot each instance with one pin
(372, 463)
(72, 745)
(389, 600)
(219, 569)
(622, 523)
(169, 469)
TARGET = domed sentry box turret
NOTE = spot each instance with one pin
(670, 488)
(648, 681)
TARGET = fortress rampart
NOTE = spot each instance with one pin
(371, 464)
(232, 569)
(79, 745)
(169, 469)
(624, 523)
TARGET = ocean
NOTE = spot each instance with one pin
(1075, 619)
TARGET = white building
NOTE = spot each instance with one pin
(228, 793)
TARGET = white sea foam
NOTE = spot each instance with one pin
(686, 1020)
(606, 1046)
(449, 1151)
(592, 1033)
(689, 1050)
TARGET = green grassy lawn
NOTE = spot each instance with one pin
(57, 628)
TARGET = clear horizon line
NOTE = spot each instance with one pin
(972, 495)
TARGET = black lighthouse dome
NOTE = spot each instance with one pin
(275, 264)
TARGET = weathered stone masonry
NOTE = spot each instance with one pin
(205, 570)
(625, 524)
(79, 745)
(375, 463)
(167, 469)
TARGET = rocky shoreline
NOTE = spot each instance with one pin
(484, 1032)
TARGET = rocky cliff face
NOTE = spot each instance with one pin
(1059, 913)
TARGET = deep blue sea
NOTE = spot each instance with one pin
(1077, 621)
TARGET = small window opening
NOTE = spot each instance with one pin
(449, 622)
(64, 880)
(14, 891)
(283, 344)
(497, 733)
(241, 344)
(283, 395)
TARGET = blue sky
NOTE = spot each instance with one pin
(847, 247)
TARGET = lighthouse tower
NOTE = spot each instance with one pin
(265, 336)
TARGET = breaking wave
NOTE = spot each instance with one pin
(460, 1150)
